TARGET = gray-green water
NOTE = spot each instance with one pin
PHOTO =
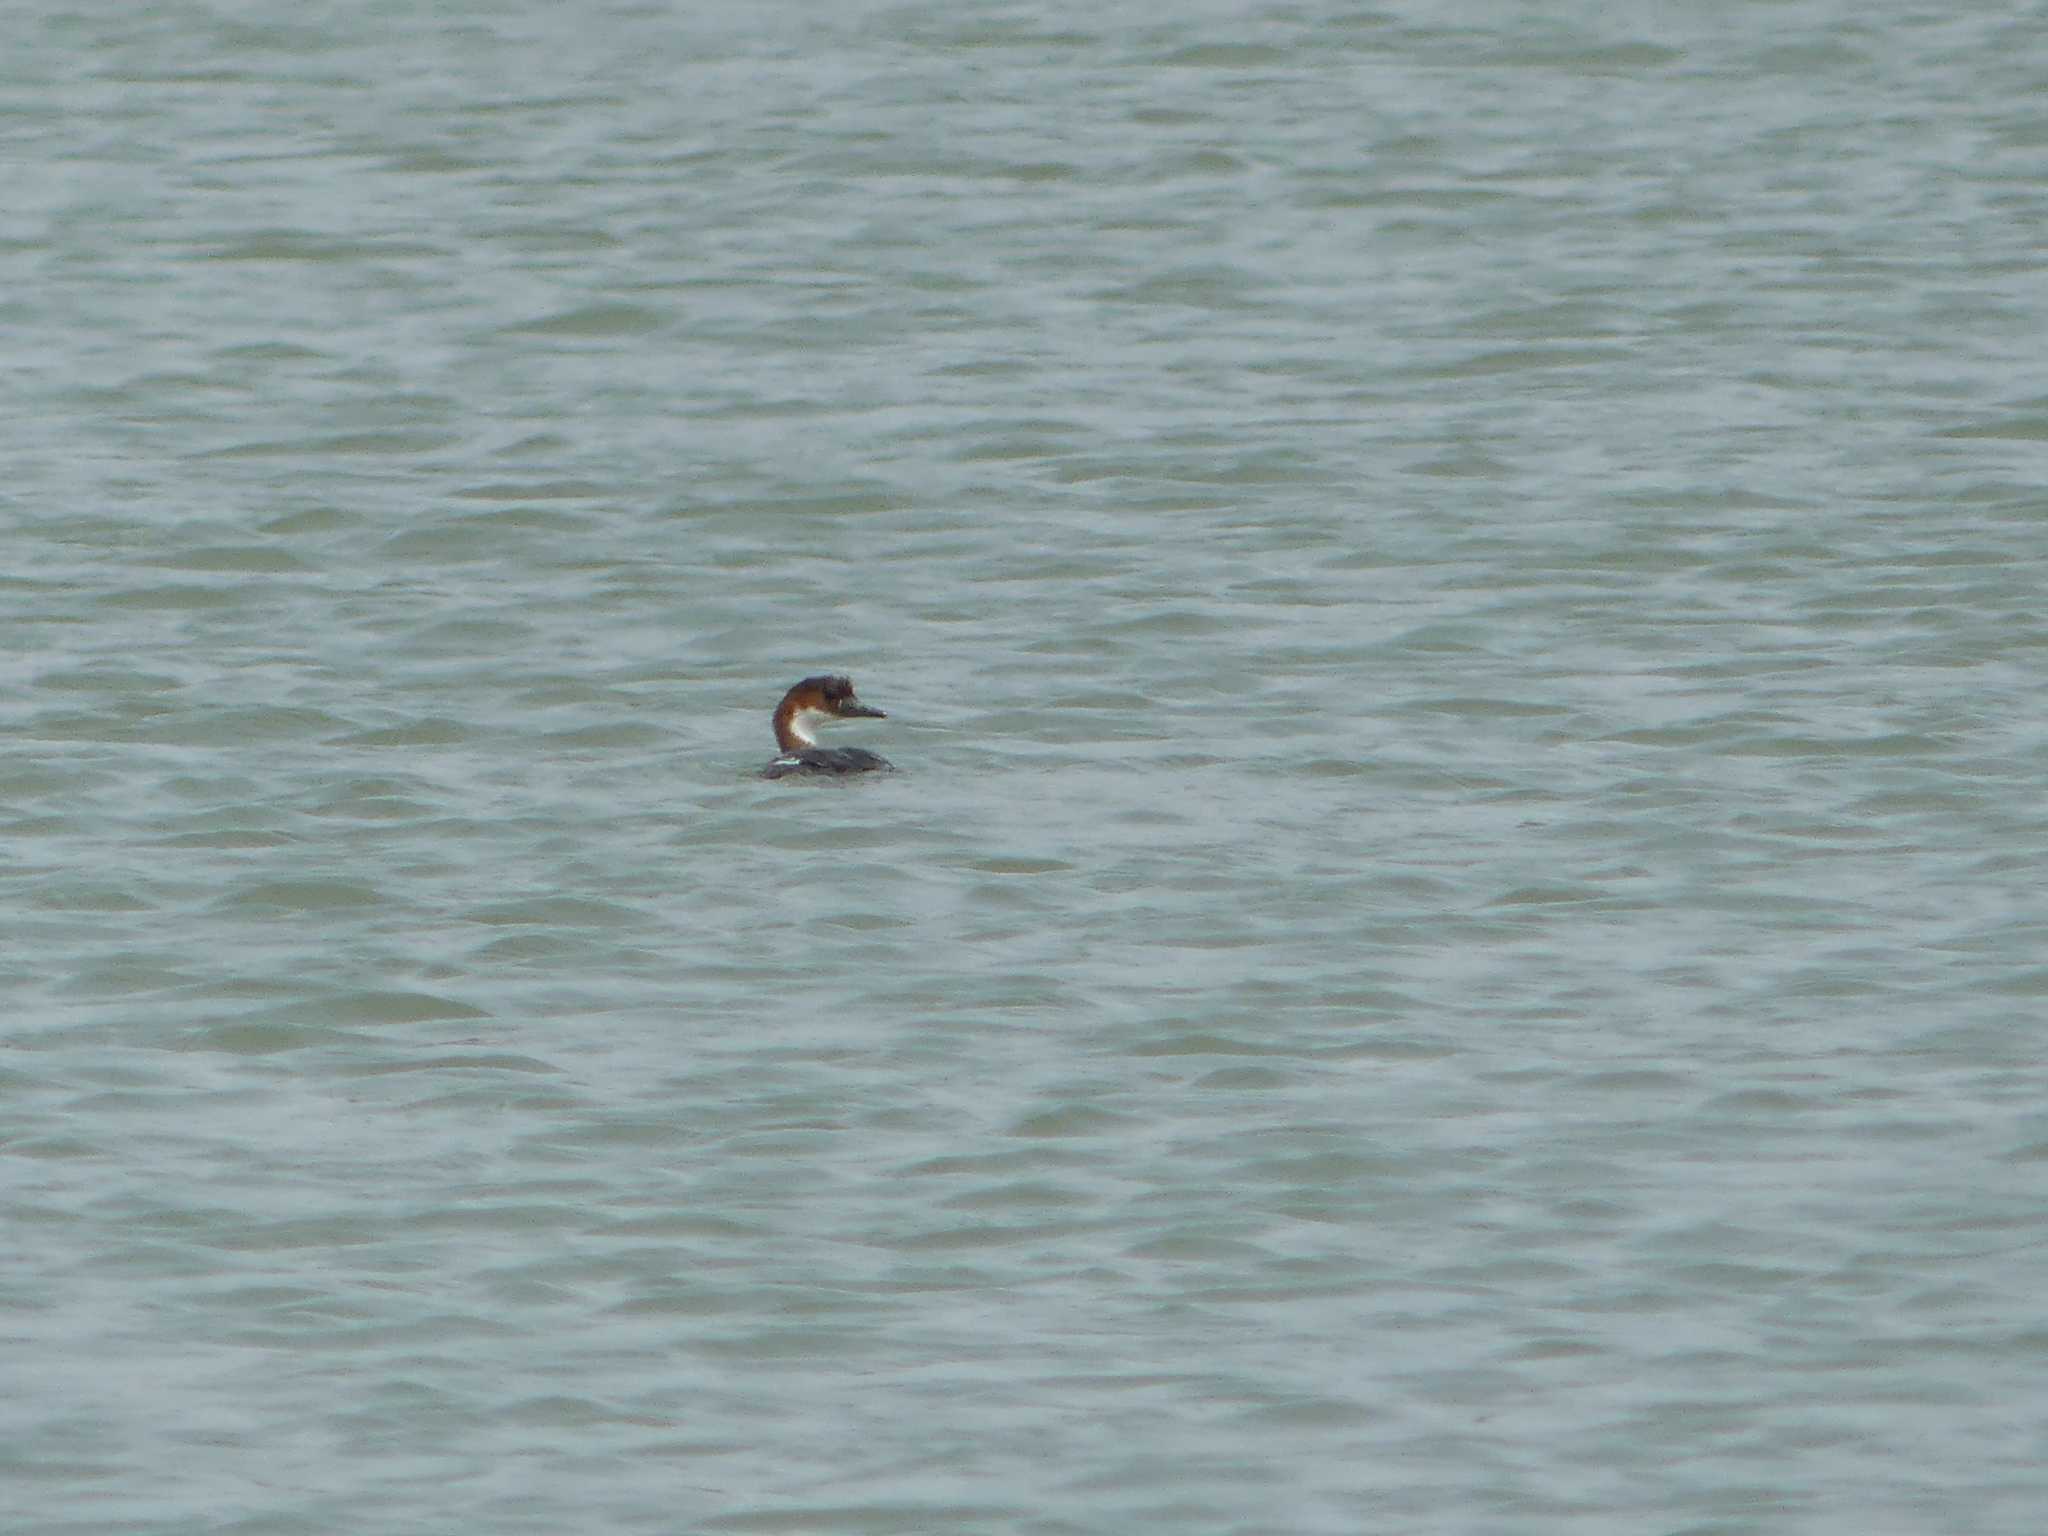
(1459, 943)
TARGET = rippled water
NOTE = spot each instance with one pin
(1458, 944)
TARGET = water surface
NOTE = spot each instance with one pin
(1458, 942)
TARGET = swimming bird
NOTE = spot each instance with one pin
(811, 701)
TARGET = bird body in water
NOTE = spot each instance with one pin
(810, 702)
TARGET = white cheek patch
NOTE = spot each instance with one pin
(802, 723)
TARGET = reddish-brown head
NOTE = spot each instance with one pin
(813, 700)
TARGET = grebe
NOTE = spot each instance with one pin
(810, 701)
